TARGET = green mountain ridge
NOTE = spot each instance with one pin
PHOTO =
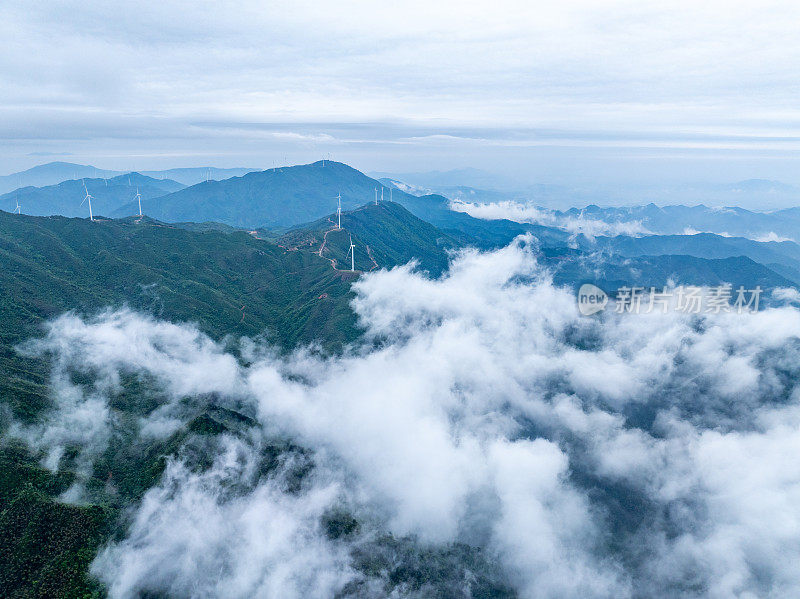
(385, 235)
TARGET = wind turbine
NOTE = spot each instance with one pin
(88, 197)
(18, 210)
(381, 193)
(376, 196)
(352, 255)
(138, 196)
(339, 211)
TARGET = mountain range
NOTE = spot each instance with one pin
(683, 220)
(108, 195)
(273, 198)
(289, 284)
(53, 173)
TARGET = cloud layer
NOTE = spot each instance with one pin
(526, 213)
(626, 455)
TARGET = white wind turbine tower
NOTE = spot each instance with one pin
(381, 193)
(352, 255)
(139, 198)
(18, 210)
(339, 211)
(376, 196)
(89, 198)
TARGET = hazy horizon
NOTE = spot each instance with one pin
(576, 93)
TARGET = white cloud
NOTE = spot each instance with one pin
(615, 456)
(524, 213)
(191, 537)
(772, 236)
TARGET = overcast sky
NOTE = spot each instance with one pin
(543, 91)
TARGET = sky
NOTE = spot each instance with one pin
(574, 91)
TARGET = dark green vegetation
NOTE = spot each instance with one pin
(226, 283)
(384, 235)
(108, 195)
(46, 546)
(197, 276)
(450, 572)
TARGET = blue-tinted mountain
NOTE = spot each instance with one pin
(783, 257)
(51, 174)
(664, 220)
(414, 190)
(282, 197)
(272, 198)
(610, 272)
(108, 195)
(194, 175)
(678, 220)
(287, 197)
(471, 177)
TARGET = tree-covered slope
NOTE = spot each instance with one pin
(384, 235)
(226, 283)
